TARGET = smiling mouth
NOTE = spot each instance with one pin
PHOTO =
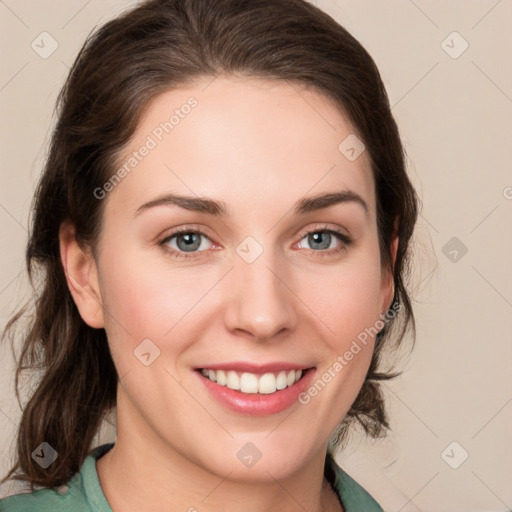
(251, 383)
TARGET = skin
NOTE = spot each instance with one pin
(259, 146)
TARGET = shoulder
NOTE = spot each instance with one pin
(353, 497)
(42, 500)
(81, 494)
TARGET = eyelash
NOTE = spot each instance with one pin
(346, 241)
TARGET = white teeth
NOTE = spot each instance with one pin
(250, 383)
(221, 378)
(233, 381)
(267, 384)
(281, 382)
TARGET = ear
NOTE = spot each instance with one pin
(388, 281)
(81, 274)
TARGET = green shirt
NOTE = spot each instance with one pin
(83, 492)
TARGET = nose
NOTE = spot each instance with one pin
(260, 303)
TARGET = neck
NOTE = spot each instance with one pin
(142, 472)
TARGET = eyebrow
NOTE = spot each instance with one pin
(219, 208)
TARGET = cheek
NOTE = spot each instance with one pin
(148, 301)
(350, 309)
(347, 300)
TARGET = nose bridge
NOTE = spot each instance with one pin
(261, 303)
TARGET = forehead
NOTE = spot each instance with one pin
(250, 142)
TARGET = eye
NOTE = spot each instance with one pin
(325, 241)
(185, 240)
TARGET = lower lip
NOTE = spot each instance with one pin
(255, 404)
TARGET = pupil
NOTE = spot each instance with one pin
(317, 239)
(192, 241)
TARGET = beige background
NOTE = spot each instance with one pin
(454, 115)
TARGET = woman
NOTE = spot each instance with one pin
(223, 223)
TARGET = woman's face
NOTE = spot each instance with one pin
(245, 295)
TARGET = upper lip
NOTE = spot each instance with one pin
(241, 366)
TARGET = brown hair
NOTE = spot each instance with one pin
(156, 46)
